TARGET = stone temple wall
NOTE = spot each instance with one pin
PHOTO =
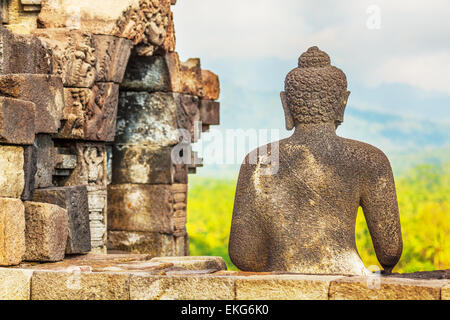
(92, 97)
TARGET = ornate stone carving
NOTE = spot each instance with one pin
(91, 166)
(145, 22)
(300, 215)
(112, 57)
(146, 25)
(74, 58)
(90, 114)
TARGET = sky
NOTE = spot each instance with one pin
(396, 55)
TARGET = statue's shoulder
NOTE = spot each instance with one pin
(367, 155)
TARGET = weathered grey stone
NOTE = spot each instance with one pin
(283, 287)
(209, 112)
(23, 54)
(46, 231)
(29, 169)
(45, 160)
(149, 74)
(15, 284)
(45, 91)
(198, 287)
(75, 201)
(165, 73)
(112, 57)
(17, 119)
(12, 232)
(76, 285)
(380, 288)
(194, 263)
(188, 114)
(154, 244)
(297, 199)
(39, 160)
(140, 207)
(12, 177)
(90, 114)
(139, 111)
(142, 164)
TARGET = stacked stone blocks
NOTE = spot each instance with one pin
(90, 98)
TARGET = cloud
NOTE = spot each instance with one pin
(430, 72)
(251, 29)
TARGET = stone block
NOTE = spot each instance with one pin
(90, 114)
(142, 164)
(45, 160)
(112, 57)
(29, 169)
(139, 111)
(170, 41)
(379, 288)
(23, 54)
(283, 287)
(46, 231)
(45, 91)
(194, 263)
(445, 292)
(210, 112)
(91, 165)
(140, 207)
(198, 287)
(181, 174)
(154, 244)
(211, 85)
(15, 284)
(142, 21)
(76, 285)
(75, 201)
(39, 165)
(12, 177)
(149, 74)
(73, 55)
(97, 201)
(164, 73)
(12, 231)
(17, 120)
(188, 114)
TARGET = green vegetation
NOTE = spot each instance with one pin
(424, 201)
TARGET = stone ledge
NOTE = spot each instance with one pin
(376, 288)
(138, 277)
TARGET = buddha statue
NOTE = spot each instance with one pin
(301, 218)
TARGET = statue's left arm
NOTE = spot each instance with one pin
(379, 204)
(247, 248)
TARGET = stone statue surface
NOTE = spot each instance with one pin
(302, 217)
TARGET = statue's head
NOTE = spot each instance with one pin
(315, 92)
